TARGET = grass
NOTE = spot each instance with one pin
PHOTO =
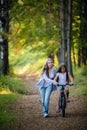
(12, 84)
(11, 88)
(7, 117)
(80, 83)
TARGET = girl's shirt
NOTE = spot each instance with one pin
(62, 78)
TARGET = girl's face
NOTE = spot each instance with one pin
(50, 63)
(62, 69)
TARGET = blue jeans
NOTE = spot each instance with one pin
(45, 93)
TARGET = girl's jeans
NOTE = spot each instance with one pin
(45, 93)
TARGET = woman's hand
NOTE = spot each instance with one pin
(55, 83)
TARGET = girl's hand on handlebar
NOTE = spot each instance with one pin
(71, 83)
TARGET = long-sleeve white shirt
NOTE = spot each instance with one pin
(46, 81)
(49, 80)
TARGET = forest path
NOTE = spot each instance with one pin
(28, 110)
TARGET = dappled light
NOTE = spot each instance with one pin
(5, 92)
(32, 31)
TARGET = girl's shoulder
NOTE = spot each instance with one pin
(59, 73)
(68, 73)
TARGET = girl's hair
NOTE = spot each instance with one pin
(59, 70)
(46, 68)
(62, 65)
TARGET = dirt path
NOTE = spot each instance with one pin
(28, 110)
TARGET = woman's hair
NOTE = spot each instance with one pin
(59, 70)
(45, 67)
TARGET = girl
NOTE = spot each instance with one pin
(48, 74)
(63, 77)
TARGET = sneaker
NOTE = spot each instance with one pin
(57, 109)
(45, 115)
(67, 100)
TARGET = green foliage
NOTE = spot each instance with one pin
(35, 24)
(7, 118)
(13, 84)
(80, 82)
(10, 90)
(27, 60)
(84, 72)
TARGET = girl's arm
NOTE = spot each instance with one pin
(70, 78)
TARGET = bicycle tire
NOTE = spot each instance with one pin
(63, 112)
(63, 105)
(63, 101)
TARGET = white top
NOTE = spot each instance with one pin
(49, 81)
(44, 81)
(62, 78)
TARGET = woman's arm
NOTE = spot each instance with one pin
(56, 77)
(49, 80)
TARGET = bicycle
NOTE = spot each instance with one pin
(62, 100)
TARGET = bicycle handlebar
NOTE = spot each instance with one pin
(70, 84)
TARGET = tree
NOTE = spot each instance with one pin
(83, 31)
(61, 52)
(69, 28)
(64, 54)
(79, 34)
(4, 24)
(38, 25)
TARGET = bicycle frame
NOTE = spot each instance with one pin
(62, 102)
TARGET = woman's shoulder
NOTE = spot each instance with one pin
(54, 68)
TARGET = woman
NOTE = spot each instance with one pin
(45, 88)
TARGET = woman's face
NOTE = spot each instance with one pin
(50, 63)
(62, 69)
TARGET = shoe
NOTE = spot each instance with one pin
(45, 115)
(67, 100)
(57, 109)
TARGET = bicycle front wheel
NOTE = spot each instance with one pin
(63, 112)
(63, 106)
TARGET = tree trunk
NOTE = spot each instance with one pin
(69, 28)
(4, 18)
(79, 57)
(61, 53)
(83, 31)
(74, 58)
(84, 55)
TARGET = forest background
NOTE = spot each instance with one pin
(31, 31)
